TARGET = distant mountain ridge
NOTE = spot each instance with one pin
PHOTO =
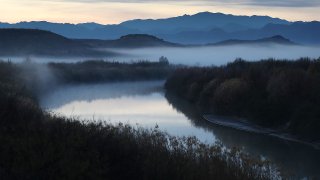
(201, 28)
(25, 42)
(203, 21)
(164, 28)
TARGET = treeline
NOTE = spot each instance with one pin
(102, 71)
(37, 145)
(40, 78)
(281, 94)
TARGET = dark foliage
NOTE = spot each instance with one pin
(104, 71)
(281, 94)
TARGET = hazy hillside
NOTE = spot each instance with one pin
(129, 41)
(271, 40)
(43, 43)
(77, 31)
(299, 32)
(302, 32)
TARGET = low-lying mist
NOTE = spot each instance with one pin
(41, 78)
(203, 56)
(194, 56)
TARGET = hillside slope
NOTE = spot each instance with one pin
(270, 40)
(129, 41)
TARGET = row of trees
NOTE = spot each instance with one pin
(103, 71)
(275, 93)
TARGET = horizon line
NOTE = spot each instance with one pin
(85, 22)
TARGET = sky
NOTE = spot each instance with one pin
(116, 11)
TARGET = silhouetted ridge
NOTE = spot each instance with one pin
(129, 41)
(277, 38)
(40, 42)
(19, 35)
(139, 37)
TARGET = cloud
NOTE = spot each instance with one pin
(284, 3)
(116, 11)
(273, 3)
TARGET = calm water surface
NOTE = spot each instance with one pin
(141, 104)
(145, 104)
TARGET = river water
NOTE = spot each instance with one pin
(146, 104)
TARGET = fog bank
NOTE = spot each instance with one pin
(199, 56)
(204, 56)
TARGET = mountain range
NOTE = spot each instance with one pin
(307, 33)
(200, 28)
(26, 42)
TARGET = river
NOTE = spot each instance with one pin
(146, 104)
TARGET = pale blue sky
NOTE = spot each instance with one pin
(115, 11)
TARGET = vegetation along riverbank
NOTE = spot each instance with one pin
(39, 145)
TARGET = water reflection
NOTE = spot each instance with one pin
(66, 94)
(139, 104)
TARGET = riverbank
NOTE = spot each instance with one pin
(275, 94)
